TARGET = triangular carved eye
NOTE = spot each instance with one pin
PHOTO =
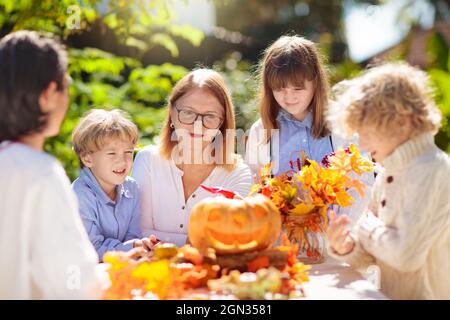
(239, 220)
(214, 215)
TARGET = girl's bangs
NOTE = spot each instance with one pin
(287, 74)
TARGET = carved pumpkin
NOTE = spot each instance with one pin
(234, 225)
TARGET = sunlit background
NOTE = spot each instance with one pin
(129, 54)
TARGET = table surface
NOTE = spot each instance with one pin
(335, 280)
(331, 280)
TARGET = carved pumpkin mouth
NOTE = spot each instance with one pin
(241, 241)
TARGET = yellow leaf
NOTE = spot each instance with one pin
(156, 274)
(255, 189)
(341, 162)
(301, 209)
(358, 185)
(116, 259)
(359, 163)
(343, 198)
(289, 192)
(266, 170)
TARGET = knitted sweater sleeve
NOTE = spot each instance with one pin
(421, 216)
(359, 258)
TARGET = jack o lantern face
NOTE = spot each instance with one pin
(234, 226)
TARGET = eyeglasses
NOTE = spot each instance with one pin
(209, 121)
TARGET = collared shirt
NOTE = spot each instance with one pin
(165, 211)
(111, 225)
(295, 136)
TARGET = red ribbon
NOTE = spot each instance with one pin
(226, 193)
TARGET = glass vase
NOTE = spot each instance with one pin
(308, 232)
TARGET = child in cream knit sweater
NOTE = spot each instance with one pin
(406, 228)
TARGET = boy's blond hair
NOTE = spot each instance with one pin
(98, 127)
(380, 96)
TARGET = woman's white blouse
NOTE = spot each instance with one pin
(164, 211)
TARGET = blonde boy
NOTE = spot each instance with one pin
(406, 228)
(109, 199)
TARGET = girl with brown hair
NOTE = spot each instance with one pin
(294, 95)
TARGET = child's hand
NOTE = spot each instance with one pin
(146, 243)
(136, 253)
(339, 234)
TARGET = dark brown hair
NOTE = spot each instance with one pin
(29, 62)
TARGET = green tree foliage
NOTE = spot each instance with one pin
(240, 77)
(102, 79)
(439, 71)
(140, 24)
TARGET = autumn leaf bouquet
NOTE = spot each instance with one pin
(304, 197)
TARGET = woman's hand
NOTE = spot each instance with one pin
(339, 234)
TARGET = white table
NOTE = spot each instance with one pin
(335, 280)
(330, 280)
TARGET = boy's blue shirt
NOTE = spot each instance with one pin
(111, 225)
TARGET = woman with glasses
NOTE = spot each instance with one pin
(196, 148)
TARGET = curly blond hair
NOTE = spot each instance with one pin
(380, 96)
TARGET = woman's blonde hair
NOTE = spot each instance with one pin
(98, 127)
(290, 61)
(381, 96)
(213, 82)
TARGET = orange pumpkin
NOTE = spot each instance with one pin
(234, 225)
